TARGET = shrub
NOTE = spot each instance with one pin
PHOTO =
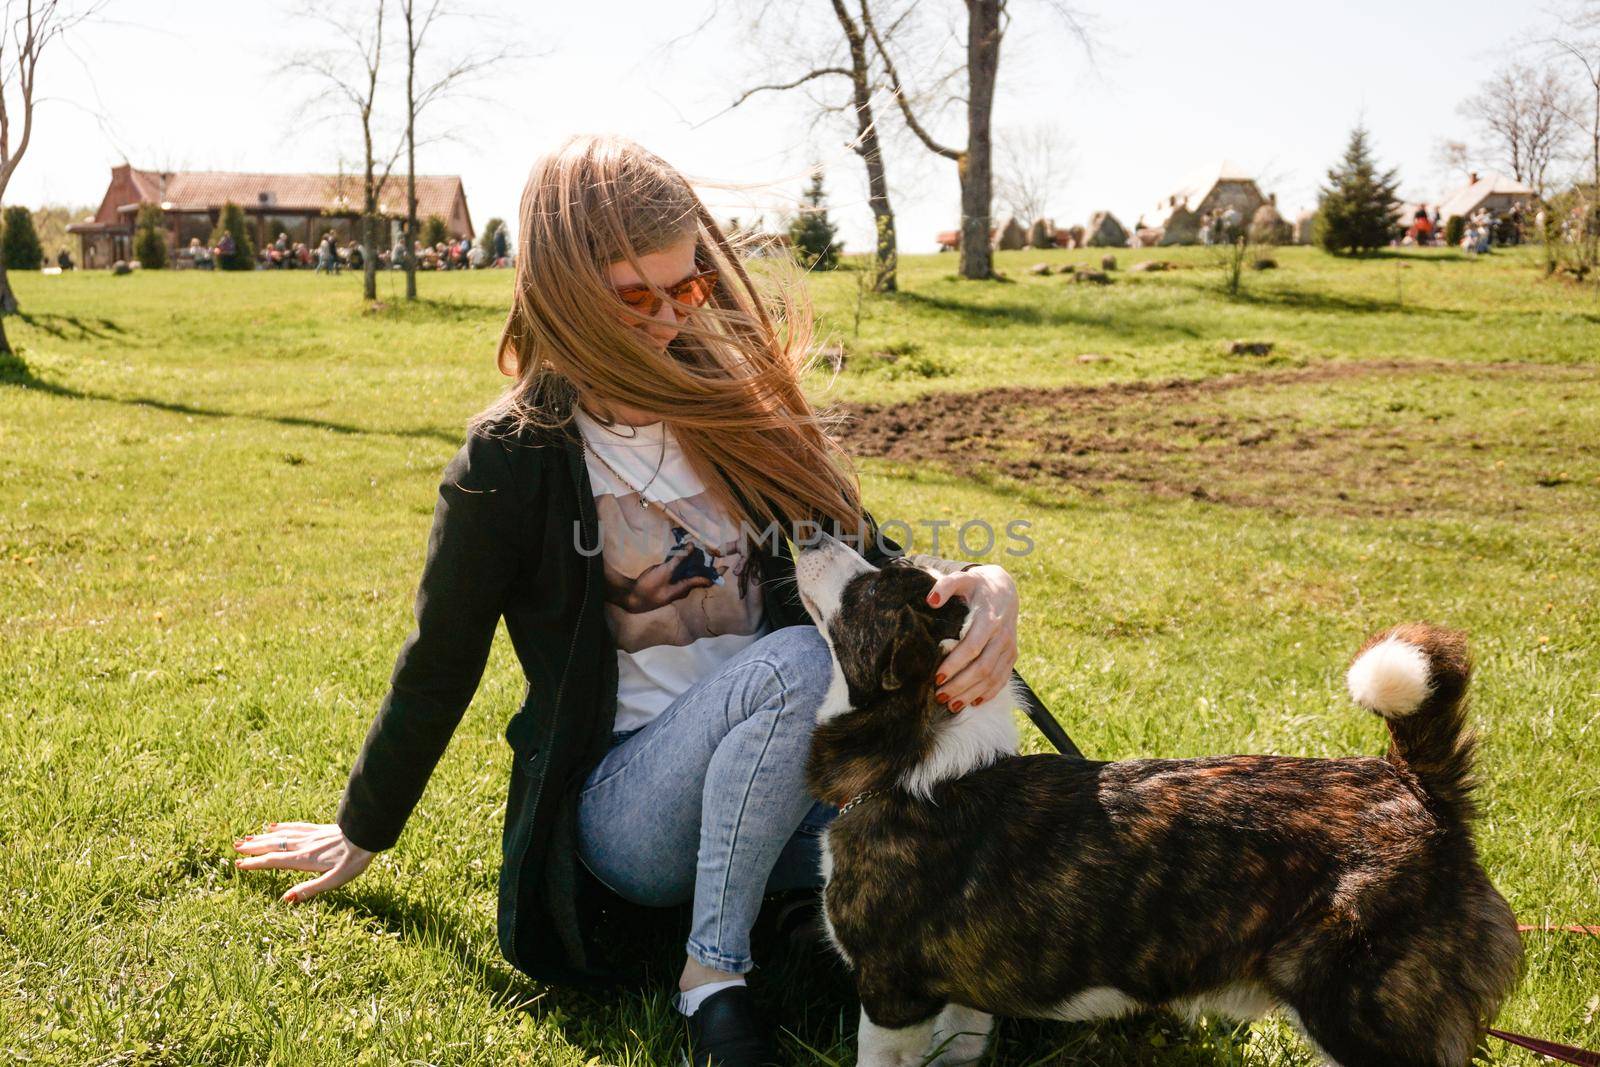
(1572, 232)
(917, 366)
(1357, 210)
(243, 256)
(150, 238)
(19, 247)
(1455, 228)
(434, 231)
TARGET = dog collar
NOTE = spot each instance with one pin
(858, 798)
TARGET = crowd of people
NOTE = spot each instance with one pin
(1480, 231)
(458, 254)
(330, 256)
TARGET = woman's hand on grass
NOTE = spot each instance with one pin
(303, 846)
(979, 666)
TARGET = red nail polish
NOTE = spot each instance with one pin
(975, 703)
(933, 598)
(957, 706)
(942, 697)
(938, 679)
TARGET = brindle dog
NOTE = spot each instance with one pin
(965, 881)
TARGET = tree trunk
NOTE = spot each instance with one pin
(886, 251)
(8, 306)
(411, 227)
(369, 259)
(411, 159)
(886, 254)
(976, 164)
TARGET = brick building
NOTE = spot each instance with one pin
(304, 206)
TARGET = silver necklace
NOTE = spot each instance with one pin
(660, 462)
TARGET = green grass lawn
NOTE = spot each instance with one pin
(215, 493)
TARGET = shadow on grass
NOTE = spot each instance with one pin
(432, 309)
(1125, 321)
(72, 327)
(1338, 303)
(800, 985)
(1410, 255)
(15, 372)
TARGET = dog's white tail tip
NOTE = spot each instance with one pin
(1392, 678)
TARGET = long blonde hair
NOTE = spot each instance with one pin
(729, 385)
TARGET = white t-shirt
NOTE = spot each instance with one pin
(678, 599)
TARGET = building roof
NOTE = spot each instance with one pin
(203, 190)
(1194, 191)
(1465, 200)
(289, 193)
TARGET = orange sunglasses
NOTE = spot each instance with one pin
(694, 291)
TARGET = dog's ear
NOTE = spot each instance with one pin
(896, 665)
(912, 648)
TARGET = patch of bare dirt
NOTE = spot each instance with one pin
(1240, 439)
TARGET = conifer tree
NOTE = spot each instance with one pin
(811, 232)
(149, 239)
(435, 232)
(490, 228)
(1358, 209)
(20, 248)
(243, 256)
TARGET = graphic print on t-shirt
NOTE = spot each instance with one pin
(679, 597)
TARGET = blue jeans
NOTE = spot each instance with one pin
(708, 803)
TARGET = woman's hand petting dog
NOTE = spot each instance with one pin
(303, 846)
(979, 666)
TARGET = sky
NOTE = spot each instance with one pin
(1170, 90)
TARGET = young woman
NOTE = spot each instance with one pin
(612, 508)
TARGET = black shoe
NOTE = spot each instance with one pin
(801, 928)
(724, 1032)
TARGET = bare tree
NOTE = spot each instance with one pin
(1032, 164)
(986, 25)
(420, 18)
(1521, 112)
(347, 80)
(1578, 41)
(986, 21)
(28, 29)
(1454, 159)
(856, 66)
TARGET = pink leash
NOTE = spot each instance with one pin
(1557, 928)
(1564, 1053)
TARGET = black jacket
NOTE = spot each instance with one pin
(505, 543)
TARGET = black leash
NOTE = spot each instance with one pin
(1057, 736)
(1042, 719)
